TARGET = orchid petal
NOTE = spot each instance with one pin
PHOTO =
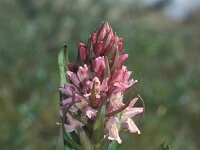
(74, 78)
(89, 112)
(113, 130)
(104, 85)
(69, 89)
(73, 124)
(131, 126)
(83, 73)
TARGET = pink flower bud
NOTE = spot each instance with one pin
(119, 45)
(122, 58)
(98, 66)
(102, 31)
(82, 51)
(108, 40)
(104, 85)
(98, 47)
(93, 37)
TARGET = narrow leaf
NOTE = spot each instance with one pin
(113, 145)
(84, 140)
(62, 60)
(98, 127)
(62, 69)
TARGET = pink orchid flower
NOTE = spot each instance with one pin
(112, 130)
(99, 76)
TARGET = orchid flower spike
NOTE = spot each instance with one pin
(99, 77)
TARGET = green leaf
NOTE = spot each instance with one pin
(62, 69)
(113, 145)
(98, 127)
(69, 140)
(62, 60)
(84, 140)
(69, 143)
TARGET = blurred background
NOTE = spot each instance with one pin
(162, 38)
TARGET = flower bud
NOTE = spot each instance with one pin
(82, 51)
(98, 66)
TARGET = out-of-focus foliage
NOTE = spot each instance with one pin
(166, 52)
